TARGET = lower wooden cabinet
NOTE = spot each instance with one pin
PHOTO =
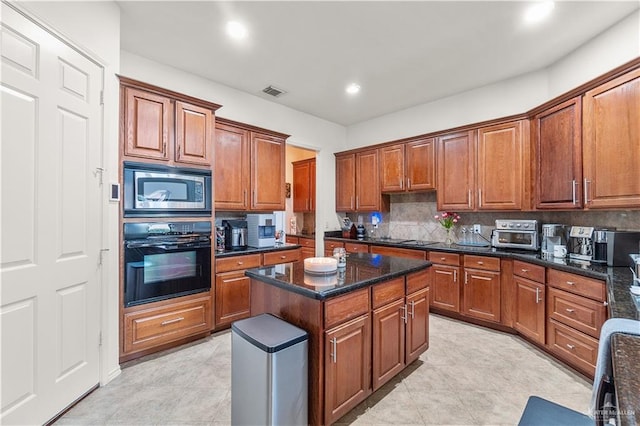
(388, 341)
(400, 252)
(573, 347)
(232, 297)
(445, 287)
(417, 334)
(166, 322)
(529, 312)
(330, 245)
(481, 290)
(308, 247)
(347, 367)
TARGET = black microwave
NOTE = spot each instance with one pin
(156, 190)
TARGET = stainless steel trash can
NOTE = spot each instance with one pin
(268, 372)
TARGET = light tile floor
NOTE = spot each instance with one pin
(469, 376)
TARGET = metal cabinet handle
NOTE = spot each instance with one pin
(401, 183)
(413, 309)
(240, 263)
(283, 257)
(334, 350)
(351, 202)
(172, 321)
(244, 202)
(357, 201)
(537, 296)
(408, 183)
(404, 316)
(570, 310)
(571, 283)
(469, 195)
(586, 191)
(455, 275)
(573, 191)
(479, 197)
(466, 277)
(524, 271)
(572, 347)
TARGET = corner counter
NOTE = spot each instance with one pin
(366, 323)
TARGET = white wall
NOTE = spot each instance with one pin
(94, 27)
(306, 130)
(614, 47)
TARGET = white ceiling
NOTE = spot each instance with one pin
(401, 53)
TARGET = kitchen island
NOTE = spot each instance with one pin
(366, 323)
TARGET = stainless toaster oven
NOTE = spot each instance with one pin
(516, 233)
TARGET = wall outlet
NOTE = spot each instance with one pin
(477, 229)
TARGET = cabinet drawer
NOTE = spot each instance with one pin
(330, 245)
(583, 286)
(400, 252)
(583, 314)
(417, 281)
(574, 347)
(344, 308)
(153, 327)
(291, 240)
(444, 258)
(236, 263)
(482, 262)
(284, 256)
(529, 271)
(307, 242)
(356, 248)
(387, 292)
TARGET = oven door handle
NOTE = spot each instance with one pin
(169, 246)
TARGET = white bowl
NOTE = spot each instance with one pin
(635, 289)
(319, 280)
(321, 265)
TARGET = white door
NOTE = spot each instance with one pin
(51, 120)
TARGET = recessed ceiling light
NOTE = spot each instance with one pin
(352, 88)
(236, 30)
(538, 11)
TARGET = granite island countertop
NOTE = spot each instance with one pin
(254, 250)
(362, 270)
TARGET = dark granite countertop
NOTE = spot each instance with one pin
(625, 352)
(622, 304)
(254, 250)
(362, 270)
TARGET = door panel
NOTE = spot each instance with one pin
(51, 222)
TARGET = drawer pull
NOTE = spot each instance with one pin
(404, 316)
(572, 347)
(537, 296)
(571, 283)
(524, 271)
(172, 321)
(455, 276)
(443, 258)
(570, 310)
(413, 309)
(283, 257)
(480, 263)
(240, 263)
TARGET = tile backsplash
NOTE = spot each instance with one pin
(411, 216)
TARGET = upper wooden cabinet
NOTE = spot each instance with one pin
(501, 166)
(408, 166)
(158, 124)
(456, 171)
(304, 185)
(557, 158)
(358, 182)
(249, 168)
(611, 143)
(483, 169)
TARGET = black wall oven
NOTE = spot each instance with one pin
(165, 260)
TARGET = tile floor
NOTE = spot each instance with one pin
(468, 376)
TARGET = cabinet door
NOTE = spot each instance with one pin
(481, 294)
(194, 127)
(312, 185)
(500, 167)
(367, 181)
(529, 310)
(456, 172)
(345, 182)
(558, 156)
(445, 292)
(347, 367)
(267, 172)
(388, 341)
(392, 168)
(611, 143)
(301, 186)
(420, 159)
(417, 325)
(147, 124)
(232, 297)
(231, 168)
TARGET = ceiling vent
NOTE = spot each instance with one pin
(273, 91)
